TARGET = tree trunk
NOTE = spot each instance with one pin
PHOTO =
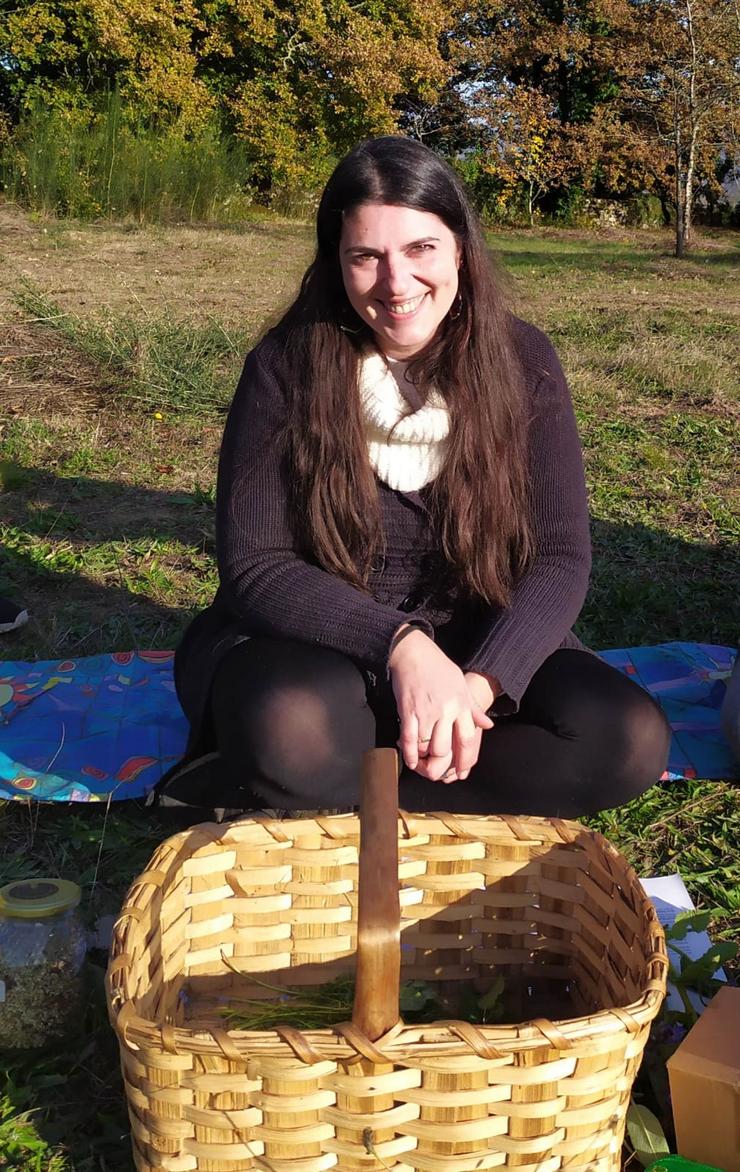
(680, 221)
(680, 205)
(693, 124)
(689, 187)
(687, 221)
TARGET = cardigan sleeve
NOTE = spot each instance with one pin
(547, 600)
(263, 578)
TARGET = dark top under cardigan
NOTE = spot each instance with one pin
(268, 588)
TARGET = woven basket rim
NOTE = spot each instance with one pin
(403, 1042)
(342, 1042)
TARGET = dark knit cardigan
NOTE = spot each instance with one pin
(267, 588)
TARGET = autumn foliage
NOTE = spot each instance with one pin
(532, 99)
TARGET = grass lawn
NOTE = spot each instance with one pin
(119, 350)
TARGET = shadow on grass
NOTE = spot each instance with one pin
(101, 510)
(86, 557)
(596, 261)
(713, 258)
(615, 260)
(647, 586)
(650, 587)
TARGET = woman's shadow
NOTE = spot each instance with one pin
(648, 586)
(142, 545)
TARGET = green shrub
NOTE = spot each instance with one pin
(644, 211)
(572, 210)
(496, 202)
(62, 162)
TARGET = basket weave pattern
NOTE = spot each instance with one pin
(223, 912)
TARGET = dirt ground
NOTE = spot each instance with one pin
(193, 272)
(194, 269)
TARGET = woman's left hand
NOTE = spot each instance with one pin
(484, 691)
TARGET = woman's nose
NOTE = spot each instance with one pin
(394, 274)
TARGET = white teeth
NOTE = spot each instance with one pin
(405, 306)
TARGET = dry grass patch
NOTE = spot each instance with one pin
(41, 375)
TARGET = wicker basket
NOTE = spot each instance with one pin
(551, 906)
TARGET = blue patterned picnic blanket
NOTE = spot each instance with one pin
(689, 681)
(83, 729)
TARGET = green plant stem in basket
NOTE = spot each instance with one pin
(325, 1005)
(303, 1008)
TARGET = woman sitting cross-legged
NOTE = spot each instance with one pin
(402, 537)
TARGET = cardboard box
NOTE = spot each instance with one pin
(704, 1075)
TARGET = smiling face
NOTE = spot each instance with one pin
(400, 272)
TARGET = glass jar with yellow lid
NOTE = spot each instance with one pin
(42, 957)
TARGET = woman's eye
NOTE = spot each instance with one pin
(424, 247)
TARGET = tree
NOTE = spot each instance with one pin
(68, 53)
(682, 96)
(528, 147)
(304, 81)
(298, 81)
(570, 50)
(503, 53)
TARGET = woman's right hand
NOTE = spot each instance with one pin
(440, 719)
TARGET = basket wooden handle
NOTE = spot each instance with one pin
(377, 983)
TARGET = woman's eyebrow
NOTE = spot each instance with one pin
(377, 251)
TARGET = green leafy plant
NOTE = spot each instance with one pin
(325, 1005)
(646, 1135)
(695, 975)
(21, 1146)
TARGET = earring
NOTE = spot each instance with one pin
(345, 312)
(456, 307)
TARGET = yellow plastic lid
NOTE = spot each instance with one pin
(33, 899)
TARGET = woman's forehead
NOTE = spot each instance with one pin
(391, 223)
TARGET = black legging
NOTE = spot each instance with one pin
(291, 722)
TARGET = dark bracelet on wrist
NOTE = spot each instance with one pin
(399, 635)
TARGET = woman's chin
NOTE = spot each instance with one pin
(402, 341)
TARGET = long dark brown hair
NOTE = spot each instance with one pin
(478, 501)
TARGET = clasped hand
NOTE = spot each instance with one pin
(441, 709)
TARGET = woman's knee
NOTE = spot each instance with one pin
(296, 731)
(291, 721)
(627, 749)
(619, 736)
(646, 738)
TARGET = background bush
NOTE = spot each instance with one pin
(69, 162)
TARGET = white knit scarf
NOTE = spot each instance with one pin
(406, 448)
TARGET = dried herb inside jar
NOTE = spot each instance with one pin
(41, 1003)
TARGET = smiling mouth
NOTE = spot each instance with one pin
(403, 308)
